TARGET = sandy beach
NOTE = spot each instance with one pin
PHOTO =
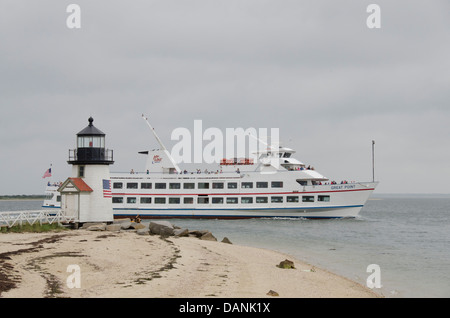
(124, 264)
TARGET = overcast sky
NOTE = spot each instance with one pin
(313, 69)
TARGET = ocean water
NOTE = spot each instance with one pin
(407, 237)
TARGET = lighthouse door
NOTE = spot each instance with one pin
(71, 205)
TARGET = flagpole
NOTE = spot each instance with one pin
(373, 160)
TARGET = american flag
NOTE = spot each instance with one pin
(107, 188)
(47, 173)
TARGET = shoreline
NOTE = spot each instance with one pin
(126, 265)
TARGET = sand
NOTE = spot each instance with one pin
(124, 264)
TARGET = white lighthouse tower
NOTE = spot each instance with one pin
(87, 194)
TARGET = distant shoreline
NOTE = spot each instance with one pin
(22, 197)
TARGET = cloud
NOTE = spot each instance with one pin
(312, 69)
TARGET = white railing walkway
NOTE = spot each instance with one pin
(12, 218)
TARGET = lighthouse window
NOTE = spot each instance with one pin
(217, 185)
(132, 185)
(188, 200)
(232, 200)
(131, 200)
(117, 200)
(276, 199)
(189, 185)
(292, 198)
(146, 185)
(117, 185)
(232, 185)
(246, 200)
(262, 184)
(308, 198)
(217, 200)
(174, 200)
(174, 186)
(277, 184)
(160, 186)
(145, 200)
(160, 200)
(203, 185)
(81, 171)
(323, 198)
(261, 200)
(247, 185)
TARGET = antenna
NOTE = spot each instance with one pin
(154, 133)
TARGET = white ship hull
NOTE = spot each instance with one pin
(291, 201)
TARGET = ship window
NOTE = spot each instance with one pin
(203, 185)
(247, 185)
(189, 185)
(323, 198)
(146, 185)
(232, 185)
(302, 182)
(308, 198)
(246, 200)
(261, 200)
(202, 200)
(58, 198)
(146, 200)
(232, 200)
(290, 198)
(188, 200)
(276, 199)
(117, 200)
(277, 184)
(174, 186)
(132, 185)
(131, 200)
(174, 200)
(217, 200)
(217, 185)
(160, 186)
(117, 185)
(262, 184)
(160, 200)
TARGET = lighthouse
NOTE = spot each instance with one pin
(87, 194)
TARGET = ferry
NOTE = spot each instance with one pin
(275, 185)
(52, 196)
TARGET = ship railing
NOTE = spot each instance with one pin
(12, 218)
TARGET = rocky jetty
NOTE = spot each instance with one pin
(162, 228)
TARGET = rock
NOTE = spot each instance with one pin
(143, 231)
(125, 225)
(226, 240)
(198, 233)
(122, 220)
(161, 228)
(208, 237)
(272, 293)
(181, 232)
(286, 264)
(96, 227)
(113, 227)
(137, 226)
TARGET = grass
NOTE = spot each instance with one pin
(35, 228)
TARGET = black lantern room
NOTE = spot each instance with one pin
(90, 147)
